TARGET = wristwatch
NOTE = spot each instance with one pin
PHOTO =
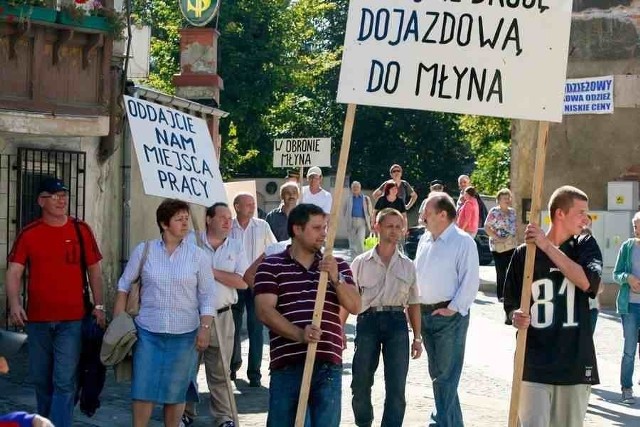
(341, 279)
(205, 326)
(98, 307)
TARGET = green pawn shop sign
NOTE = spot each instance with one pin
(199, 12)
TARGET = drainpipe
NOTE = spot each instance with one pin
(126, 196)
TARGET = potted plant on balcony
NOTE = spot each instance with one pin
(27, 10)
(92, 15)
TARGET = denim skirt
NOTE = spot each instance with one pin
(164, 366)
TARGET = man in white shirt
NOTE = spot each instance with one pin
(256, 235)
(448, 278)
(314, 193)
(229, 263)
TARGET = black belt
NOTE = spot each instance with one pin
(222, 310)
(427, 308)
(382, 308)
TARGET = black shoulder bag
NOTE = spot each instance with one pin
(86, 297)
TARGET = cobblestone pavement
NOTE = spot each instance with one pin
(484, 387)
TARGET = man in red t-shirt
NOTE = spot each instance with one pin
(51, 248)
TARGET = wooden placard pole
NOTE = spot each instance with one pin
(322, 283)
(223, 356)
(525, 300)
(300, 184)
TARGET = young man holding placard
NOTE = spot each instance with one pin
(286, 285)
(560, 362)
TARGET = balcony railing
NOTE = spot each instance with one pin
(51, 63)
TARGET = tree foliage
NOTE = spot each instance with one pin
(280, 61)
(489, 139)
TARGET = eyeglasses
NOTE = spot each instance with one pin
(396, 171)
(61, 196)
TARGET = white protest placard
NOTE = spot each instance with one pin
(301, 152)
(504, 58)
(175, 153)
(592, 95)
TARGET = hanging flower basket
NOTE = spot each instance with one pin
(91, 22)
(92, 15)
(25, 12)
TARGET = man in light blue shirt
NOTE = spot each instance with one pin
(448, 278)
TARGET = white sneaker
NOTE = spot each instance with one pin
(627, 396)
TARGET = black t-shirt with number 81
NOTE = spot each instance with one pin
(560, 348)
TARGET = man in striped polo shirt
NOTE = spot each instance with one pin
(285, 287)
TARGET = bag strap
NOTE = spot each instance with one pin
(143, 259)
(88, 305)
(199, 241)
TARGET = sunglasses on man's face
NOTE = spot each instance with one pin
(61, 196)
(396, 171)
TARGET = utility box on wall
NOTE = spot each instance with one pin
(622, 195)
(610, 229)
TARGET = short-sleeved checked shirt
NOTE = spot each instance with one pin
(380, 285)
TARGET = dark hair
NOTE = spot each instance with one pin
(388, 186)
(471, 191)
(444, 202)
(563, 199)
(301, 214)
(211, 210)
(167, 209)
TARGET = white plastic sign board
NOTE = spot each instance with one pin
(504, 58)
(589, 96)
(299, 152)
(175, 153)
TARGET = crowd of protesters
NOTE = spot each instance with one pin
(190, 292)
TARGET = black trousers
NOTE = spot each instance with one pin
(502, 260)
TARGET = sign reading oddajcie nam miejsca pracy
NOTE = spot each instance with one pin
(301, 152)
(505, 58)
(175, 153)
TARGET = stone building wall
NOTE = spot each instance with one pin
(589, 150)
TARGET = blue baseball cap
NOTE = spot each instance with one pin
(52, 185)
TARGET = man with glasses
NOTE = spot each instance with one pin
(405, 190)
(57, 249)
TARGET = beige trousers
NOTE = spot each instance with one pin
(547, 405)
(219, 403)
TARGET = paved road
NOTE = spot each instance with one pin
(484, 388)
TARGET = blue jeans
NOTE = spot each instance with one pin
(254, 329)
(376, 332)
(54, 353)
(444, 340)
(630, 326)
(325, 396)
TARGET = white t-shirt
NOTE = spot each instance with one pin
(276, 248)
(322, 198)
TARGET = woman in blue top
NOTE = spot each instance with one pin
(627, 275)
(177, 304)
